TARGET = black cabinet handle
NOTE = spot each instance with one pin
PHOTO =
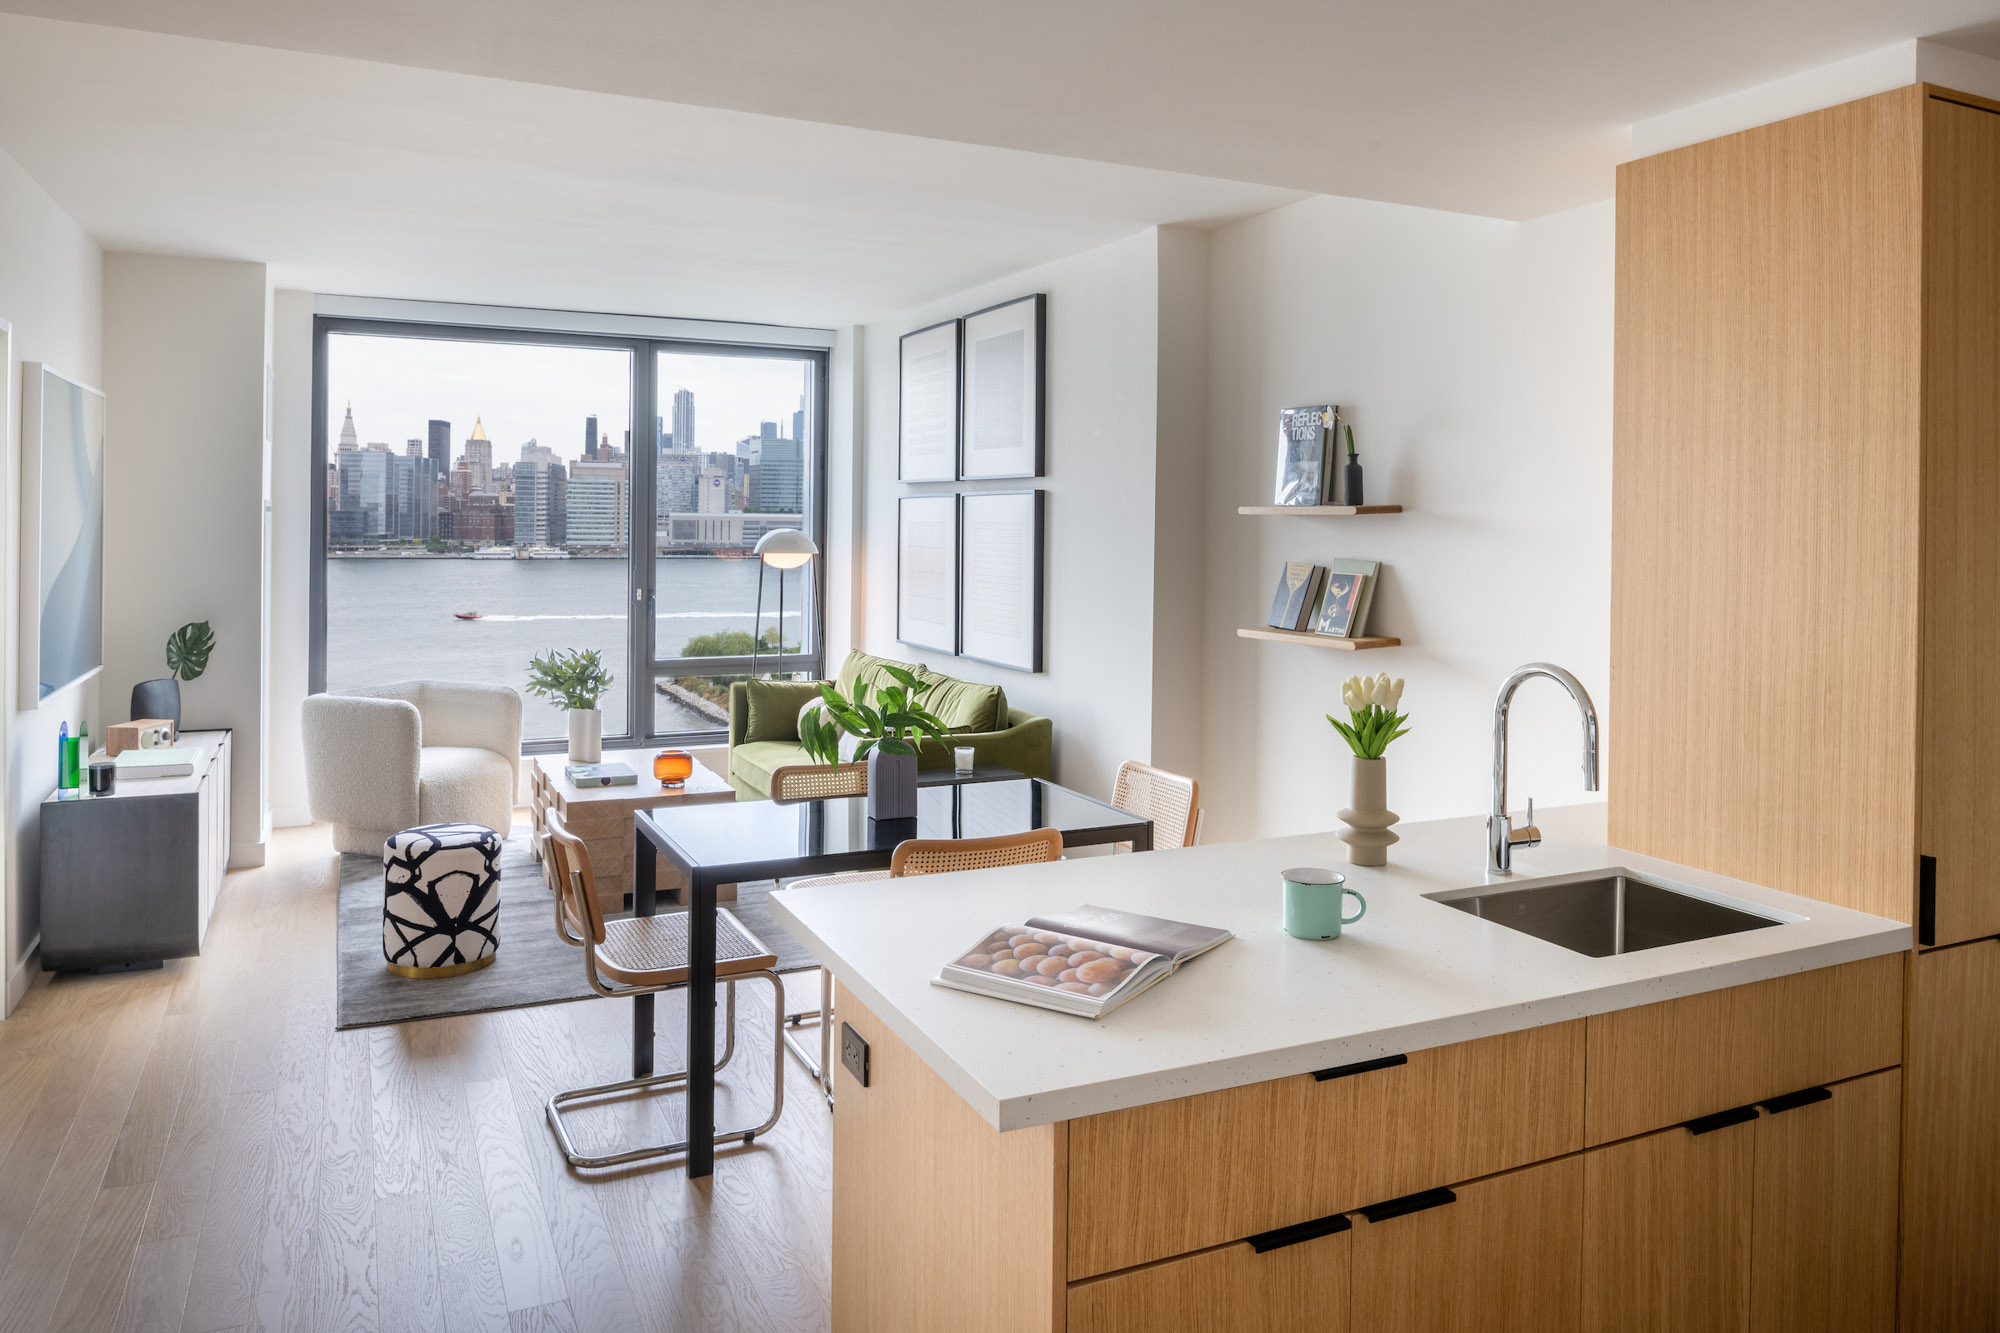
(1927, 900)
(1792, 1101)
(1360, 1067)
(1708, 1124)
(1292, 1235)
(1409, 1203)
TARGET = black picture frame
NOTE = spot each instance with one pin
(974, 641)
(945, 468)
(1025, 458)
(939, 635)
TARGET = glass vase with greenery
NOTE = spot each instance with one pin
(576, 680)
(1372, 717)
(890, 720)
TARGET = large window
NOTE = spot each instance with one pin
(484, 497)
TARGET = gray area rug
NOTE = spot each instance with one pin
(533, 967)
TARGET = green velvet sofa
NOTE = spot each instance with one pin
(764, 725)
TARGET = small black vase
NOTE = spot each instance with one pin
(158, 698)
(1351, 485)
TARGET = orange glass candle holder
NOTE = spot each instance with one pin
(673, 767)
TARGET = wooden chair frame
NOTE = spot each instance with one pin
(941, 856)
(580, 921)
(818, 782)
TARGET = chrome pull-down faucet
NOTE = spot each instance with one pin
(1501, 835)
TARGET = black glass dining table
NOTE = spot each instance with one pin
(713, 845)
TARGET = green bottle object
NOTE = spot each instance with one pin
(72, 750)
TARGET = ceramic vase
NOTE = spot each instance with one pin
(586, 735)
(892, 786)
(1365, 822)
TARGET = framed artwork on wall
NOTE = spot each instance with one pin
(1002, 435)
(927, 572)
(927, 404)
(1001, 539)
(62, 533)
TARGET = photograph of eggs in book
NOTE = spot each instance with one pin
(1060, 962)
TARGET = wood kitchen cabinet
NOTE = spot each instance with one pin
(1298, 1287)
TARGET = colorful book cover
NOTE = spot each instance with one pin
(1293, 602)
(1303, 441)
(1342, 600)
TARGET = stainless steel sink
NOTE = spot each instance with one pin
(1604, 912)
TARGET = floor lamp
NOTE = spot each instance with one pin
(780, 549)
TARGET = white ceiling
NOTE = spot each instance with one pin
(567, 151)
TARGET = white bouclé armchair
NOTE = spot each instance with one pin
(392, 757)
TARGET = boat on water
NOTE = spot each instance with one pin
(494, 553)
(468, 615)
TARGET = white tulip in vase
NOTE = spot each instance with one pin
(1372, 723)
(576, 680)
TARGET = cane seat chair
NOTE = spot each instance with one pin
(818, 782)
(630, 956)
(1170, 801)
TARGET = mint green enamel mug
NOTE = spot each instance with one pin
(1313, 902)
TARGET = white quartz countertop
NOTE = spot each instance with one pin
(1412, 974)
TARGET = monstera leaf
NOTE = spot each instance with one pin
(188, 649)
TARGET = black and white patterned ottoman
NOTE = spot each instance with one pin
(441, 900)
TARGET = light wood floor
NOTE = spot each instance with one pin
(196, 1148)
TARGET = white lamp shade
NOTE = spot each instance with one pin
(786, 548)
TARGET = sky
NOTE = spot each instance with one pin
(539, 392)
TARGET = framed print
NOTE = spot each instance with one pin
(927, 572)
(62, 532)
(927, 405)
(1000, 580)
(1002, 401)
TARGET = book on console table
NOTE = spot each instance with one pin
(601, 775)
(1087, 962)
(175, 762)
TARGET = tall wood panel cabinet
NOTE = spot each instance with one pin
(1805, 653)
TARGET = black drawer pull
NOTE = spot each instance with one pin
(1360, 1067)
(1708, 1124)
(1409, 1203)
(1303, 1231)
(1792, 1101)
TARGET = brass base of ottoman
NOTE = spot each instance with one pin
(448, 970)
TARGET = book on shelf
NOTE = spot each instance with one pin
(1350, 588)
(172, 762)
(1298, 592)
(600, 775)
(1086, 962)
(1306, 455)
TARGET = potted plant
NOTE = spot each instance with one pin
(1372, 723)
(188, 649)
(576, 680)
(885, 732)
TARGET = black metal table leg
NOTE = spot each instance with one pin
(645, 900)
(701, 1026)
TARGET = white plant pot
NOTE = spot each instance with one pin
(1367, 820)
(586, 735)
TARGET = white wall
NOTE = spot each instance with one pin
(1474, 358)
(51, 291)
(291, 551)
(1102, 395)
(185, 342)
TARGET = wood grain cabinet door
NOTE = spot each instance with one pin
(1666, 1232)
(1299, 1288)
(1823, 1250)
(1503, 1256)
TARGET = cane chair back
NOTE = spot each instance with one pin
(818, 782)
(938, 856)
(578, 914)
(1171, 801)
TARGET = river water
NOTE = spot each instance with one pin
(389, 620)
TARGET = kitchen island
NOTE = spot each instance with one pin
(1432, 1122)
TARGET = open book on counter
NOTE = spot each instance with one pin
(1086, 962)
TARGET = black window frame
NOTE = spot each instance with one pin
(644, 665)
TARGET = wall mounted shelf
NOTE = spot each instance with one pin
(1323, 511)
(1319, 640)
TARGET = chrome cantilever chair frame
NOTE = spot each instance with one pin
(579, 921)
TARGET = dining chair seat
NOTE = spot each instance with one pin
(653, 950)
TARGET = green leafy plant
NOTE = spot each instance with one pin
(188, 648)
(1371, 710)
(892, 719)
(1350, 437)
(574, 679)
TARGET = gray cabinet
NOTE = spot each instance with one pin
(132, 878)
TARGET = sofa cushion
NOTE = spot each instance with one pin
(774, 711)
(862, 668)
(755, 761)
(965, 705)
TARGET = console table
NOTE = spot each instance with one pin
(602, 816)
(131, 879)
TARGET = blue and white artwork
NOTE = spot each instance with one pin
(70, 540)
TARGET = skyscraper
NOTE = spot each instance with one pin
(599, 494)
(590, 438)
(440, 450)
(414, 449)
(540, 501)
(777, 483)
(683, 421)
(348, 439)
(479, 454)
